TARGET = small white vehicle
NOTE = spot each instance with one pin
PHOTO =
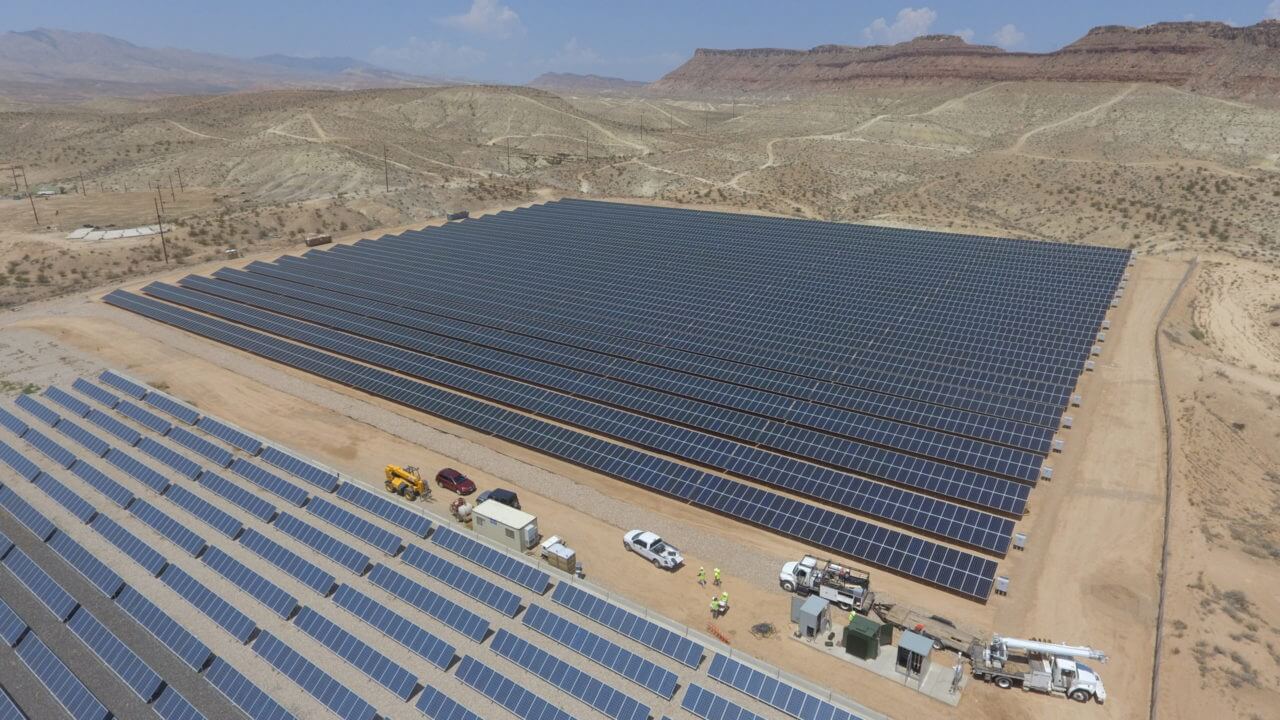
(652, 548)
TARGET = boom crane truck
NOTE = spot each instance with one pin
(1041, 666)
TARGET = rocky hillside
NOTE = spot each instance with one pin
(573, 82)
(1206, 56)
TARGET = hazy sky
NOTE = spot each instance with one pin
(515, 40)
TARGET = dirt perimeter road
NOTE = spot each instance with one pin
(1087, 577)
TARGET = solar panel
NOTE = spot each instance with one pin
(98, 480)
(39, 409)
(18, 462)
(446, 611)
(222, 613)
(171, 705)
(238, 496)
(128, 543)
(355, 526)
(45, 588)
(395, 626)
(506, 692)
(340, 700)
(647, 633)
(70, 693)
(772, 691)
(568, 678)
(5, 544)
(464, 581)
(501, 563)
(184, 465)
(69, 402)
(50, 448)
(161, 522)
(117, 656)
(193, 653)
(12, 422)
(323, 543)
(31, 519)
(321, 478)
(301, 570)
(385, 508)
(145, 418)
(66, 497)
(377, 666)
(258, 587)
(9, 709)
(707, 705)
(124, 385)
(230, 435)
(122, 432)
(629, 665)
(136, 470)
(87, 564)
(166, 404)
(242, 693)
(83, 437)
(205, 511)
(270, 482)
(12, 627)
(438, 706)
(88, 389)
(210, 451)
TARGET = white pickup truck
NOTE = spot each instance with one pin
(652, 548)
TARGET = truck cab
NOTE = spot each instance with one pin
(846, 588)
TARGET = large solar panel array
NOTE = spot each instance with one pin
(608, 701)
(646, 632)
(439, 607)
(323, 543)
(74, 697)
(364, 658)
(923, 395)
(193, 653)
(356, 526)
(323, 687)
(506, 692)
(773, 692)
(130, 544)
(258, 587)
(87, 564)
(395, 626)
(117, 656)
(45, 588)
(464, 581)
(176, 532)
(69, 499)
(503, 564)
(287, 560)
(222, 613)
(385, 508)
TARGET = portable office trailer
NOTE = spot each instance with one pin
(505, 525)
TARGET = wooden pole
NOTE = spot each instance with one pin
(160, 224)
(386, 172)
(180, 185)
(33, 208)
(82, 192)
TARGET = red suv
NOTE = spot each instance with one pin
(451, 479)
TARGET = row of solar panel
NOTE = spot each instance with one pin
(961, 572)
(971, 527)
(776, 433)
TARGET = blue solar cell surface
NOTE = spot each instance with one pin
(32, 519)
(20, 463)
(210, 451)
(243, 693)
(331, 693)
(438, 706)
(385, 508)
(238, 496)
(166, 404)
(193, 653)
(646, 632)
(176, 532)
(5, 544)
(214, 606)
(364, 658)
(324, 479)
(46, 414)
(772, 691)
(396, 626)
(515, 570)
(229, 435)
(137, 470)
(644, 673)
(119, 430)
(707, 705)
(69, 499)
(103, 396)
(11, 626)
(184, 465)
(507, 692)
(87, 564)
(117, 656)
(87, 440)
(258, 587)
(130, 544)
(100, 481)
(356, 526)
(304, 571)
(270, 482)
(205, 511)
(441, 608)
(50, 448)
(144, 417)
(45, 588)
(323, 543)
(124, 385)
(12, 422)
(171, 705)
(606, 700)
(464, 581)
(65, 687)
(69, 402)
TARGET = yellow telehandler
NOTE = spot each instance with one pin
(406, 482)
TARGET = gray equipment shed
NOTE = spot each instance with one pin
(913, 655)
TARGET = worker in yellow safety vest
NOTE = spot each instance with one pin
(724, 601)
(715, 607)
(702, 576)
(851, 614)
(716, 576)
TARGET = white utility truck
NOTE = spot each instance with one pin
(1041, 666)
(845, 587)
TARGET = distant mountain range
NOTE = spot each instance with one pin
(61, 65)
(573, 82)
(1205, 56)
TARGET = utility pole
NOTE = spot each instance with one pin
(82, 192)
(386, 172)
(508, 154)
(160, 224)
(14, 170)
(180, 185)
(33, 207)
(171, 195)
